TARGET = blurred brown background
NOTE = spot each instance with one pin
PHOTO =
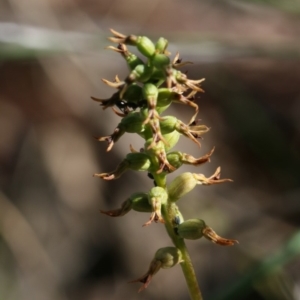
(54, 244)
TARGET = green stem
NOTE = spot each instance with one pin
(169, 212)
(160, 180)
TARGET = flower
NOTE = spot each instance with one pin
(164, 258)
(194, 229)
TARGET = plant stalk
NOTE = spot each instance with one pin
(169, 212)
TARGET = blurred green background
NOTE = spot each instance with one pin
(54, 244)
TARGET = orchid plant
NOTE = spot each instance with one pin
(153, 84)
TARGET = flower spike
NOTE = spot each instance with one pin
(153, 83)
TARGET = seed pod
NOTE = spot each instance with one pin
(181, 185)
(191, 229)
(161, 45)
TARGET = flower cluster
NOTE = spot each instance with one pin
(153, 84)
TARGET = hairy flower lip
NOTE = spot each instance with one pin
(117, 85)
(155, 217)
(198, 161)
(117, 34)
(110, 139)
(120, 49)
(177, 62)
(105, 176)
(211, 235)
(213, 179)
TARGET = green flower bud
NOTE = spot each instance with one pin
(138, 161)
(132, 123)
(175, 159)
(150, 92)
(165, 98)
(159, 193)
(181, 185)
(157, 154)
(133, 93)
(191, 229)
(171, 136)
(161, 45)
(160, 60)
(141, 73)
(140, 202)
(144, 45)
(157, 197)
(156, 149)
(164, 258)
(168, 257)
(171, 139)
(168, 124)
